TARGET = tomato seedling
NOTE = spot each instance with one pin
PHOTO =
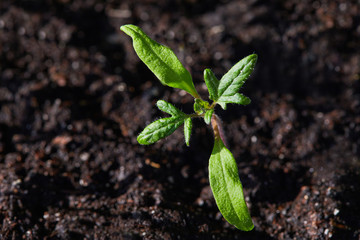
(223, 171)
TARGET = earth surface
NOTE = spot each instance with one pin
(74, 96)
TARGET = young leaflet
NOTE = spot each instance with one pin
(223, 172)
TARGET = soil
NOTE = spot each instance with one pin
(74, 96)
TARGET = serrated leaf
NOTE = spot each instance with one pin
(237, 98)
(232, 81)
(160, 129)
(227, 188)
(187, 130)
(169, 108)
(208, 115)
(161, 60)
(212, 84)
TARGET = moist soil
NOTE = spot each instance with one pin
(74, 96)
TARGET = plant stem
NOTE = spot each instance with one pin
(218, 129)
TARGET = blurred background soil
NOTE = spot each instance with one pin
(74, 96)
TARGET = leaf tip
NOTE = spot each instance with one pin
(252, 57)
(251, 60)
(207, 71)
(130, 30)
(247, 101)
(141, 140)
(248, 226)
(160, 103)
(125, 28)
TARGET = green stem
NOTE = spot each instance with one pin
(194, 115)
(213, 105)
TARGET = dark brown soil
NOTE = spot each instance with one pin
(73, 97)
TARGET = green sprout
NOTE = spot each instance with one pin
(223, 171)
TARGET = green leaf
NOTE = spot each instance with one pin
(169, 108)
(200, 106)
(187, 130)
(208, 116)
(212, 84)
(232, 81)
(197, 108)
(226, 187)
(160, 129)
(237, 98)
(161, 60)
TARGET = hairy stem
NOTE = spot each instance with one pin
(218, 129)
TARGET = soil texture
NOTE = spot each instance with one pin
(74, 96)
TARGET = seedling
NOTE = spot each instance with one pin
(223, 172)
